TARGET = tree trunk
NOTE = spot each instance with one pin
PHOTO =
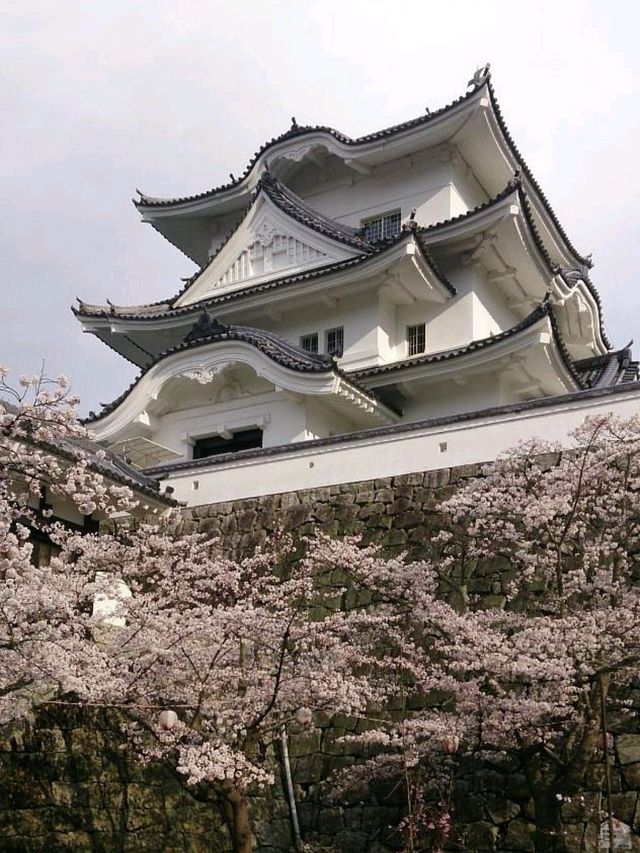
(239, 824)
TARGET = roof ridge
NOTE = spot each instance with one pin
(291, 203)
(304, 130)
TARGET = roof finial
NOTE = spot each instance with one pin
(410, 224)
(233, 177)
(516, 180)
(112, 307)
(588, 260)
(479, 76)
(294, 124)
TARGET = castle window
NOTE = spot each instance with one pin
(381, 227)
(214, 445)
(309, 342)
(416, 339)
(334, 341)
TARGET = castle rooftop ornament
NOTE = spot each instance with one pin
(362, 307)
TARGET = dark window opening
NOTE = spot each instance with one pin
(334, 341)
(213, 445)
(382, 227)
(309, 342)
(416, 339)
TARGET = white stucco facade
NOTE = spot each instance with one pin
(427, 251)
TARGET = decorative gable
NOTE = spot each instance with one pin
(273, 250)
(269, 242)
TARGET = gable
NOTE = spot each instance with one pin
(267, 244)
(274, 250)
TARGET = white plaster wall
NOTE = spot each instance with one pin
(491, 314)
(421, 449)
(467, 193)
(451, 325)
(282, 420)
(359, 315)
(322, 421)
(441, 399)
(422, 181)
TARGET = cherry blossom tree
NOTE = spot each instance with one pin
(532, 669)
(146, 620)
(43, 647)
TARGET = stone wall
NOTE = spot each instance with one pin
(396, 512)
(66, 785)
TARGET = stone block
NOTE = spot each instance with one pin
(437, 479)
(469, 808)
(288, 499)
(580, 807)
(631, 775)
(479, 836)
(246, 520)
(624, 805)
(409, 519)
(395, 537)
(307, 768)
(344, 499)
(209, 526)
(371, 511)
(330, 821)
(464, 472)
(353, 842)
(296, 515)
(501, 811)
(521, 836)
(400, 505)
(308, 815)
(628, 748)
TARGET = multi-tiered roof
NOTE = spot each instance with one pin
(506, 300)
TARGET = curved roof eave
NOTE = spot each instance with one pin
(535, 186)
(166, 309)
(545, 309)
(272, 347)
(245, 181)
(516, 186)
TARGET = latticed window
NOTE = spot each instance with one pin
(381, 227)
(416, 339)
(334, 341)
(309, 342)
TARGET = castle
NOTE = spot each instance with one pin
(368, 307)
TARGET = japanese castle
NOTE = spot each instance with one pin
(399, 302)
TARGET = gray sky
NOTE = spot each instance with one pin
(99, 98)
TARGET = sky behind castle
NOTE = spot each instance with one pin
(101, 98)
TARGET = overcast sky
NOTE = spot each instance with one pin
(101, 98)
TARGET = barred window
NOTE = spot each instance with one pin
(416, 339)
(381, 227)
(334, 341)
(309, 342)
